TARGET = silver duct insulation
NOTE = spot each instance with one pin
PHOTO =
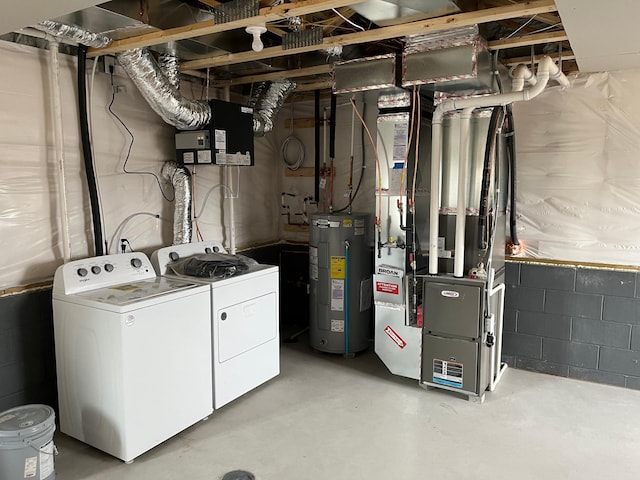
(162, 96)
(180, 178)
(268, 104)
(169, 64)
(73, 32)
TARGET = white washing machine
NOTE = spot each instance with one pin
(133, 353)
(244, 320)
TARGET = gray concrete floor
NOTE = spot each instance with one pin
(327, 417)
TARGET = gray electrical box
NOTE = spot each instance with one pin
(226, 140)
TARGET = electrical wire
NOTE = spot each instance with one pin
(347, 20)
(123, 224)
(295, 165)
(406, 154)
(193, 204)
(126, 160)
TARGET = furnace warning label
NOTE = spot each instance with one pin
(395, 337)
(447, 373)
(387, 287)
(338, 267)
(358, 225)
(337, 295)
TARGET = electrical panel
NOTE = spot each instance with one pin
(226, 140)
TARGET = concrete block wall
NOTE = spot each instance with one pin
(573, 322)
(27, 352)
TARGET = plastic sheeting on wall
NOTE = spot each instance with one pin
(29, 210)
(578, 171)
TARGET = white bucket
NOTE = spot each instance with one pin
(26, 443)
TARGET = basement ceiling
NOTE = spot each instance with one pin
(304, 37)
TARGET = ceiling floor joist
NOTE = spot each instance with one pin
(424, 26)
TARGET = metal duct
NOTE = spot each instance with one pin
(268, 104)
(169, 64)
(162, 96)
(75, 33)
(180, 178)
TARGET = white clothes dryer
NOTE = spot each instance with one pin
(133, 353)
(244, 321)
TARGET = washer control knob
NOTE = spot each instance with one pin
(96, 270)
(223, 316)
(174, 256)
(82, 272)
(108, 267)
(136, 262)
(216, 249)
(207, 250)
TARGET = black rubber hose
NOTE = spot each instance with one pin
(86, 151)
(497, 117)
(511, 152)
(316, 191)
(332, 128)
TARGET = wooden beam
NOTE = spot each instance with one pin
(526, 40)
(268, 14)
(211, 3)
(298, 72)
(547, 18)
(307, 87)
(566, 55)
(424, 26)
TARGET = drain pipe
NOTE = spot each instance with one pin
(546, 70)
(434, 202)
(58, 142)
(229, 193)
(461, 211)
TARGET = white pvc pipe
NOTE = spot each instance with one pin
(230, 198)
(461, 210)
(546, 70)
(519, 75)
(497, 369)
(434, 202)
(58, 143)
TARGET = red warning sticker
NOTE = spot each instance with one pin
(387, 287)
(395, 337)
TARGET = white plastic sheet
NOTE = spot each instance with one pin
(578, 171)
(29, 211)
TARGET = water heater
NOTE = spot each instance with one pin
(340, 283)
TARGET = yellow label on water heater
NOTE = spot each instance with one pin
(338, 266)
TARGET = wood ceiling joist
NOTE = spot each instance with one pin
(546, 18)
(424, 26)
(298, 72)
(319, 85)
(526, 40)
(565, 55)
(267, 14)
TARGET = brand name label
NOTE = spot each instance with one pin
(449, 293)
(395, 337)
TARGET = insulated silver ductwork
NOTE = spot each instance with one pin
(169, 64)
(73, 32)
(268, 104)
(180, 178)
(163, 97)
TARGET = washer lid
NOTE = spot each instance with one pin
(26, 420)
(133, 292)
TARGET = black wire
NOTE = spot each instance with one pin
(355, 192)
(126, 160)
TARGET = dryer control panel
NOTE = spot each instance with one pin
(164, 256)
(97, 272)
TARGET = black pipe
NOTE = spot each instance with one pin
(511, 152)
(86, 151)
(332, 128)
(316, 186)
(497, 117)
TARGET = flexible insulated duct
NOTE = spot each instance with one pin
(75, 33)
(268, 104)
(163, 97)
(169, 64)
(180, 178)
